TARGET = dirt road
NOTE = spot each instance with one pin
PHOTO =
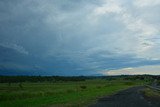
(131, 97)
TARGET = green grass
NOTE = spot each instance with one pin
(61, 93)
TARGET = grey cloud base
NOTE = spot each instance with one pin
(69, 37)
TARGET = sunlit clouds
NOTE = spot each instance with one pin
(151, 70)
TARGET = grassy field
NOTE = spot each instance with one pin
(60, 94)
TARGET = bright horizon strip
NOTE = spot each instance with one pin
(151, 70)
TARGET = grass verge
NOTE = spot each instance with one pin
(150, 93)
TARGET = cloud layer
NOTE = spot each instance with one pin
(79, 37)
(152, 70)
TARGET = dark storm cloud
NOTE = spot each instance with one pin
(70, 37)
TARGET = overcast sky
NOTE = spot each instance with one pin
(79, 37)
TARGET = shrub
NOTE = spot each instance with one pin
(83, 87)
(98, 87)
(70, 91)
(20, 85)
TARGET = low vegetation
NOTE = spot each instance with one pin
(150, 93)
(61, 91)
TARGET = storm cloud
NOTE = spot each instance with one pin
(84, 37)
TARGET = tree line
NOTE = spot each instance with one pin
(17, 79)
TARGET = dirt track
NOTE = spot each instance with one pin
(131, 97)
